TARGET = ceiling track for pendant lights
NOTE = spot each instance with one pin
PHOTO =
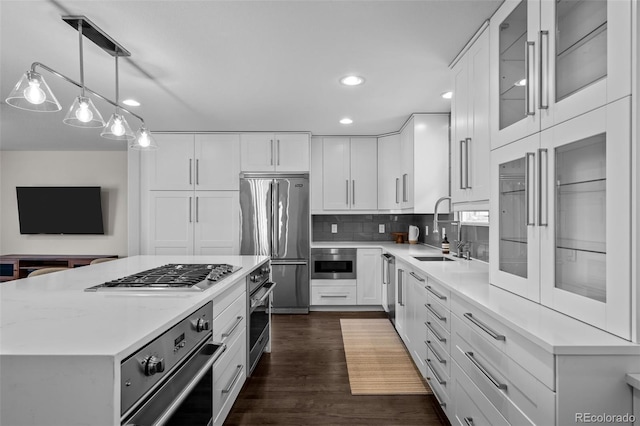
(33, 94)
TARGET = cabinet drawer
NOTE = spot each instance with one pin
(472, 408)
(333, 295)
(437, 333)
(442, 396)
(530, 356)
(436, 313)
(509, 387)
(228, 377)
(230, 322)
(229, 296)
(437, 378)
(438, 356)
(438, 292)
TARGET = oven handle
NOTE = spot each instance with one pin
(192, 384)
(257, 302)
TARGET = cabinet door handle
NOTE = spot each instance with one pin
(467, 145)
(529, 193)
(529, 100)
(231, 329)
(544, 70)
(436, 375)
(278, 151)
(335, 295)
(353, 192)
(190, 171)
(271, 162)
(397, 191)
(462, 168)
(234, 380)
(484, 327)
(197, 209)
(435, 313)
(469, 421)
(435, 333)
(347, 186)
(435, 354)
(190, 200)
(543, 187)
(400, 286)
(435, 293)
(405, 197)
(197, 171)
(417, 277)
(484, 371)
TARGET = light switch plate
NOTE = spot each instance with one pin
(426, 231)
(334, 228)
(381, 228)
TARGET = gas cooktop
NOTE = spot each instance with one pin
(190, 277)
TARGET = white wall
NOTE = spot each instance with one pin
(107, 169)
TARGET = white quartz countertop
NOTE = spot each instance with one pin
(555, 332)
(52, 314)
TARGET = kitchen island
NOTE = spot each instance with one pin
(61, 347)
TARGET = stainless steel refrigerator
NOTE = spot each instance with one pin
(274, 221)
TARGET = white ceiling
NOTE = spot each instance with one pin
(238, 65)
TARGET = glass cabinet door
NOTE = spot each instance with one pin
(514, 242)
(585, 247)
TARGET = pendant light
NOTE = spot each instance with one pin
(83, 113)
(144, 141)
(117, 127)
(33, 94)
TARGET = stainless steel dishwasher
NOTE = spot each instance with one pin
(389, 281)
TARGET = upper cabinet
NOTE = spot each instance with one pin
(554, 60)
(193, 161)
(424, 163)
(389, 172)
(561, 201)
(350, 173)
(279, 152)
(471, 135)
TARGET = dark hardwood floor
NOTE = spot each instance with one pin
(304, 381)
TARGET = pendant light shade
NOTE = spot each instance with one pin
(117, 128)
(144, 141)
(83, 114)
(32, 93)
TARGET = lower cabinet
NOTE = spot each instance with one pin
(333, 292)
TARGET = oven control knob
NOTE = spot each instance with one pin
(255, 278)
(153, 365)
(265, 270)
(202, 325)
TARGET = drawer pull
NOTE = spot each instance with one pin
(435, 354)
(435, 333)
(484, 327)
(435, 293)
(417, 277)
(235, 325)
(334, 295)
(468, 421)
(434, 312)
(442, 404)
(234, 380)
(438, 379)
(479, 366)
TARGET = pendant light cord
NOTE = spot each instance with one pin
(117, 83)
(81, 58)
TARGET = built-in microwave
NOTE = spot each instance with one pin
(333, 263)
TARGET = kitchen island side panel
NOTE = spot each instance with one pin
(58, 390)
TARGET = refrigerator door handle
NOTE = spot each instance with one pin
(276, 220)
(271, 250)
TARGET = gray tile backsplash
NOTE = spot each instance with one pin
(364, 227)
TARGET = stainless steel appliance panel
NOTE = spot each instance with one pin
(334, 264)
(389, 280)
(256, 209)
(291, 218)
(292, 293)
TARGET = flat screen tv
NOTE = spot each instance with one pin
(60, 210)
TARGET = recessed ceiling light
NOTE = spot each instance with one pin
(352, 80)
(346, 121)
(447, 95)
(520, 83)
(131, 102)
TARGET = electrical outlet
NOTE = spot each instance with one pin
(381, 228)
(334, 228)
(426, 231)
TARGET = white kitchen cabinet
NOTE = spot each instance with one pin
(350, 176)
(368, 281)
(191, 222)
(193, 161)
(424, 173)
(401, 297)
(416, 316)
(389, 172)
(269, 152)
(552, 61)
(334, 292)
(315, 175)
(561, 200)
(471, 134)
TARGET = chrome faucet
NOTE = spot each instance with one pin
(460, 244)
(435, 213)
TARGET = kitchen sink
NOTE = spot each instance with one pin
(432, 258)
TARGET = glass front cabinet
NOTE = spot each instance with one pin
(552, 60)
(563, 206)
